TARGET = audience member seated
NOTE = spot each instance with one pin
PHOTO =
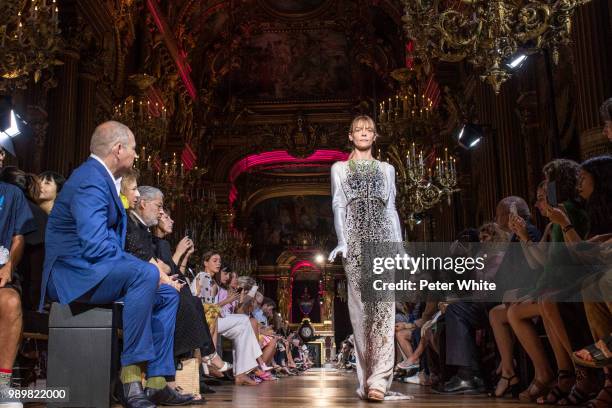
(51, 184)
(404, 333)
(595, 189)
(263, 311)
(521, 312)
(85, 262)
(464, 318)
(191, 330)
(29, 273)
(565, 322)
(15, 220)
(498, 316)
(235, 326)
(129, 189)
(606, 117)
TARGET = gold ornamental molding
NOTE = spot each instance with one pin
(291, 189)
(490, 34)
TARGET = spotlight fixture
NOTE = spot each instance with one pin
(470, 135)
(517, 61)
(10, 130)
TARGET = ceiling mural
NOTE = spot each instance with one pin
(295, 65)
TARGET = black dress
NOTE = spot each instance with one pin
(31, 267)
(191, 330)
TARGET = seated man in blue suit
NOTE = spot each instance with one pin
(86, 263)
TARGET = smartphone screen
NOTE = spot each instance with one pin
(188, 233)
(253, 291)
(551, 194)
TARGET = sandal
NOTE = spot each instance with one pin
(603, 399)
(512, 389)
(375, 395)
(208, 361)
(576, 397)
(535, 390)
(557, 393)
(599, 352)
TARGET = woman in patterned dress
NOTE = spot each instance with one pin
(363, 201)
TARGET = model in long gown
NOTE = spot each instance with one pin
(363, 202)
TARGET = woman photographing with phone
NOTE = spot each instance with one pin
(562, 313)
(191, 331)
(233, 326)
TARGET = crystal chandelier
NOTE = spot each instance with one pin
(488, 33)
(29, 41)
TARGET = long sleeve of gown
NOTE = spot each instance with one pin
(338, 203)
(391, 211)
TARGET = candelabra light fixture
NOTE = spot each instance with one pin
(412, 108)
(422, 182)
(488, 33)
(146, 119)
(411, 121)
(30, 42)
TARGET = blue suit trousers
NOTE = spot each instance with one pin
(149, 313)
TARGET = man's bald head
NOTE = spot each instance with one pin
(107, 135)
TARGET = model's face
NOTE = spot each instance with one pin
(362, 135)
(131, 193)
(213, 265)
(586, 184)
(48, 190)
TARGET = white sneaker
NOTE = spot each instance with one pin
(11, 404)
(5, 401)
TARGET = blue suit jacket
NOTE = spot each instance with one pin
(85, 233)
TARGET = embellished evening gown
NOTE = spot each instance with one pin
(363, 200)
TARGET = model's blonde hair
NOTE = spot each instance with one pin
(363, 118)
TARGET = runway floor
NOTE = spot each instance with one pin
(330, 388)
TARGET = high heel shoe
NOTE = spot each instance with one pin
(512, 389)
(535, 390)
(208, 362)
